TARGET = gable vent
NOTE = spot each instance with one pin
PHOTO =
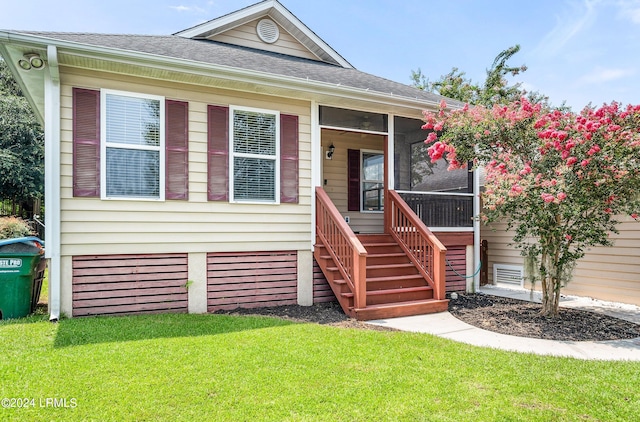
(508, 274)
(268, 31)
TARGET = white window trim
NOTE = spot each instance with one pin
(363, 181)
(103, 145)
(232, 155)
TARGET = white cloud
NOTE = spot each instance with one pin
(629, 9)
(600, 74)
(568, 25)
(191, 9)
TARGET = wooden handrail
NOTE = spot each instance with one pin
(343, 245)
(418, 242)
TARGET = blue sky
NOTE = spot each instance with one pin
(580, 51)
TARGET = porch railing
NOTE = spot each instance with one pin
(343, 246)
(440, 209)
(418, 242)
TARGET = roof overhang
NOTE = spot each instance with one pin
(31, 82)
(91, 57)
(282, 16)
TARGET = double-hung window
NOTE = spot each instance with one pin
(132, 145)
(254, 162)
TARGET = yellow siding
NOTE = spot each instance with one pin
(247, 36)
(334, 171)
(94, 226)
(604, 273)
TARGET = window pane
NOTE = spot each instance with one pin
(131, 120)
(133, 173)
(373, 166)
(254, 133)
(373, 196)
(254, 179)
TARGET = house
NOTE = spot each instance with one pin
(604, 273)
(240, 162)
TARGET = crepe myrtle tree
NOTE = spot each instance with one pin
(561, 180)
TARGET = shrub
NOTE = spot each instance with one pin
(12, 227)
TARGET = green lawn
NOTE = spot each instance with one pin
(216, 367)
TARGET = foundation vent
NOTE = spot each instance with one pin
(512, 275)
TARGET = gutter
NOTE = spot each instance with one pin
(52, 178)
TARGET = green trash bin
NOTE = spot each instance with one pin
(21, 274)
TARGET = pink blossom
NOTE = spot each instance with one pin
(562, 196)
(571, 161)
(568, 237)
(431, 137)
(546, 197)
(634, 216)
(594, 149)
(584, 163)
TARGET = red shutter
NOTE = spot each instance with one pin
(288, 158)
(353, 174)
(218, 153)
(86, 142)
(177, 150)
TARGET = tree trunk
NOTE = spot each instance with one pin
(550, 288)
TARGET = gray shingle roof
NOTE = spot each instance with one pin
(217, 53)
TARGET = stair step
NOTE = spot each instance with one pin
(379, 244)
(385, 254)
(381, 266)
(376, 257)
(382, 279)
(385, 266)
(393, 291)
(399, 309)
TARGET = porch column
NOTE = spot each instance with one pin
(52, 179)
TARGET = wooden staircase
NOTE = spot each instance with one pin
(394, 285)
(399, 273)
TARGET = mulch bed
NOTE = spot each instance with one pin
(520, 318)
(492, 313)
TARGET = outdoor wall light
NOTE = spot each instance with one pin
(31, 61)
(330, 152)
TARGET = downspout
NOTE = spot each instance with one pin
(476, 230)
(52, 178)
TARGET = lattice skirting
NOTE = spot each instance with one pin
(129, 284)
(251, 279)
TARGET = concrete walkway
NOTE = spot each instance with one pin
(446, 325)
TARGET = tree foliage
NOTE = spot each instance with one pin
(559, 179)
(21, 144)
(495, 90)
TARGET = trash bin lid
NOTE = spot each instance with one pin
(22, 244)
